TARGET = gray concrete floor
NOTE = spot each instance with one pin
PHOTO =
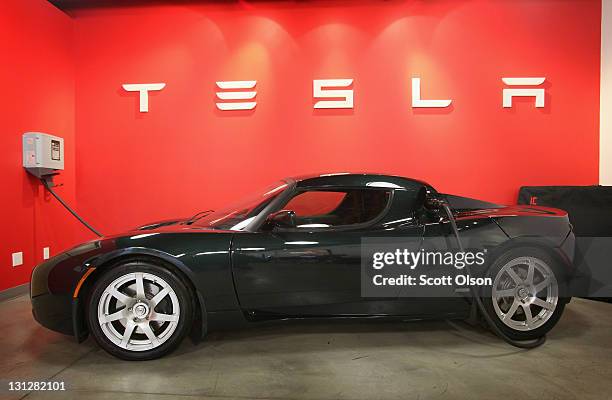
(418, 360)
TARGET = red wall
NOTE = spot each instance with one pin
(184, 155)
(37, 81)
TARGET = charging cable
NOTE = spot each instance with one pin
(516, 343)
(45, 182)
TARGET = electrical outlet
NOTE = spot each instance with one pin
(45, 253)
(18, 259)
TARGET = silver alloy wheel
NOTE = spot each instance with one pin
(138, 311)
(525, 293)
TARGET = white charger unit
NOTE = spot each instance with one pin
(43, 154)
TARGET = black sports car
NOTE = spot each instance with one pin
(293, 251)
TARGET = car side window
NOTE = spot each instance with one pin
(341, 207)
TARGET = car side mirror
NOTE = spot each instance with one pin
(282, 219)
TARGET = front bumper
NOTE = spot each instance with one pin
(54, 312)
(52, 286)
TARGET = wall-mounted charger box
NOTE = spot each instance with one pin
(43, 154)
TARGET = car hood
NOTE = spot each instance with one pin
(174, 225)
(159, 224)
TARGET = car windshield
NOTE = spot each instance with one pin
(239, 215)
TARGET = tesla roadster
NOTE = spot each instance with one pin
(293, 251)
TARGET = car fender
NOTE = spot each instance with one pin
(103, 262)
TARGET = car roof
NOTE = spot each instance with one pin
(347, 179)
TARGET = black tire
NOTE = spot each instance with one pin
(494, 269)
(185, 300)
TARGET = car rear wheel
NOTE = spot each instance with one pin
(525, 300)
(139, 311)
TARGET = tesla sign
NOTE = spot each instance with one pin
(339, 93)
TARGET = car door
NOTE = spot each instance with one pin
(314, 267)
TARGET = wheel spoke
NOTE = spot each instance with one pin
(539, 302)
(120, 296)
(129, 329)
(140, 293)
(512, 310)
(530, 271)
(514, 276)
(113, 317)
(163, 317)
(159, 296)
(540, 286)
(150, 334)
(528, 316)
(505, 293)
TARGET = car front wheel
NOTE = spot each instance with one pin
(139, 311)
